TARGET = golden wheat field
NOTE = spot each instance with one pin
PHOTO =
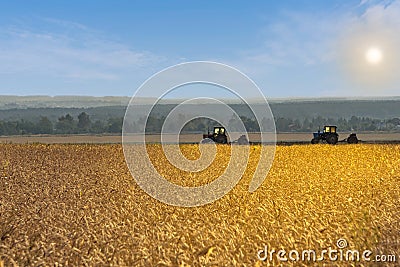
(78, 205)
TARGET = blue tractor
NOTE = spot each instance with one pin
(330, 136)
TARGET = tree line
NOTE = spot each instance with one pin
(65, 124)
(83, 124)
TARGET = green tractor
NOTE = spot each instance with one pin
(330, 136)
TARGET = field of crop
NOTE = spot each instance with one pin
(78, 205)
(184, 138)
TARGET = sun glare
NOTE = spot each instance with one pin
(373, 55)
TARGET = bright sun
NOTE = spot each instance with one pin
(373, 55)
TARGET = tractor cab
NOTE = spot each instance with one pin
(219, 131)
(330, 129)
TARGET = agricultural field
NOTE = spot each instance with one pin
(184, 138)
(77, 205)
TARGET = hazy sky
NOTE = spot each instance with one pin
(289, 48)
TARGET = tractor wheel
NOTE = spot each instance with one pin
(315, 141)
(332, 139)
(221, 139)
(352, 139)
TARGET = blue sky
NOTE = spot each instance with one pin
(289, 48)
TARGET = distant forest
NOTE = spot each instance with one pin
(289, 116)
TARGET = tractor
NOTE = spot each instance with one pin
(329, 135)
(332, 137)
(218, 136)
